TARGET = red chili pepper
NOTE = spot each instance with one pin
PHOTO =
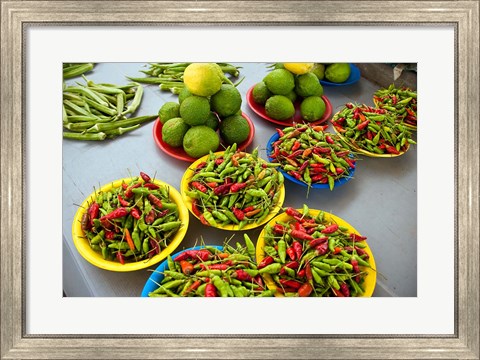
(349, 105)
(210, 290)
(155, 246)
(145, 177)
(290, 284)
(292, 265)
(301, 273)
(304, 166)
(154, 200)
(356, 237)
(280, 132)
(242, 275)
(192, 287)
(110, 235)
(135, 213)
(308, 272)
(362, 125)
(369, 135)
(298, 226)
(322, 249)
(124, 186)
(297, 247)
(344, 289)
(195, 208)
(266, 261)
(115, 214)
(350, 162)
(317, 241)
(321, 150)
(237, 187)
(305, 290)
(329, 139)
(222, 267)
(279, 229)
(201, 165)
(222, 189)
(258, 280)
(238, 213)
(199, 186)
(129, 192)
(362, 252)
(391, 150)
(122, 201)
(354, 263)
(294, 154)
(151, 186)
(248, 208)
(300, 235)
(330, 229)
(295, 174)
(339, 170)
(93, 212)
(150, 217)
(291, 253)
(120, 257)
(218, 161)
(337, 293)
(336, 250)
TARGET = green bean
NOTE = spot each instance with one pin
(91, 136)
(76, 70)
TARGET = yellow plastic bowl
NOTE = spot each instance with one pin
(95, 258)
(232, 227)
(366, 152)
(370, 278)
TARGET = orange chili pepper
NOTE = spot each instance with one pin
(130, 243)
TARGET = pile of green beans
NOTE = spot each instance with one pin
(371, 129)
(310, 256)
(210, 272)
(76, 69)
(311, 155)
(400, 101)
(169, 76)
(132, 222)
(99, 111)
(234, 188)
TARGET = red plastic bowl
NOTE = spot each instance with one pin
(179, 153)
(297, 118)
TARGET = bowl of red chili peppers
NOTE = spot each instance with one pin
(130, 224)
(306, 252)
(310, 157)
(233, 190)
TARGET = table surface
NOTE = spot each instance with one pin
(380, 201)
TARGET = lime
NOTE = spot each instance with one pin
(168, 111)
(234, 129)
(194, 110)
(203, 79)
(319, 70)
(260, 93)
(212, 121)
(183, 94)
(337, 72)
(279, 107)
(279, 81)
(278, 66)
(200, 140)
(312, 108)
(308, 85)
(292, 95)
(173, 131)
(298, 68)
(227, 101)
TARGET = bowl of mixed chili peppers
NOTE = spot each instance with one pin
(233, 190)
(130, 224)
(306, 252)
(374, 132)
(400, 101)
(209, 271)
(311, 157)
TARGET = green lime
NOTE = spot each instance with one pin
(308, 85)
(227, 101)
(183, 94)
(260, 93)
(203, 79)
(312, 108)
(279, 107)
(337, 72)
(212, 121)
(292, 95)
(200, 140)
(279, 81)
(173, 131)
(194, 110)
(234, 129)
(168, 111)
(319, 70)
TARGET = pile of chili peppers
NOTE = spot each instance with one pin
(310, 256)
(234, 188)
(132, 222)
(210, 272)
(400, 101)
(311, 155)
(374, 130)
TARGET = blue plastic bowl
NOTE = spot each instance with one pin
(352, 79)
(157, 276)
(336, 183)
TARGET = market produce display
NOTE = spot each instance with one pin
(71, 70)
(99, 111)
(306, 252)
(169, 76)
(205, 105)
(131, 220)
(288, 86)
(233, 190)
(371, 131)
(210, 271)
(400, 101)
(312, 156)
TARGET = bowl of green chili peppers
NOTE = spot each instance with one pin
(130, 224)
(233, 190)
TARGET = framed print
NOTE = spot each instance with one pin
(51, 307)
